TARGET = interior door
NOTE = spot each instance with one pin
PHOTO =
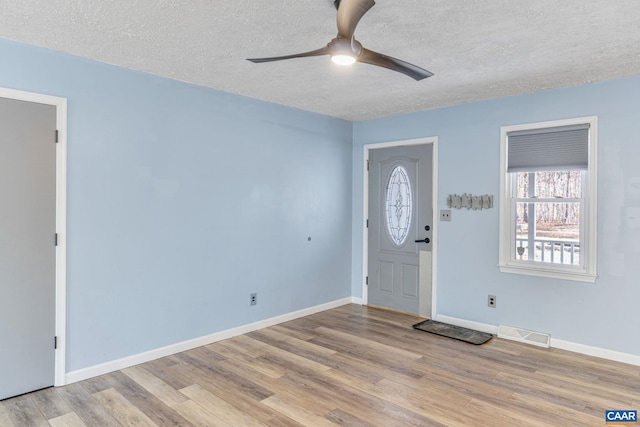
(27, 248)
(400, 228)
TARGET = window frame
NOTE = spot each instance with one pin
(508, 263)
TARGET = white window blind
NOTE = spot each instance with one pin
(555, 148)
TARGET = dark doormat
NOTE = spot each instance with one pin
(452, 331)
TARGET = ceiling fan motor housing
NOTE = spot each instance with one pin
(342, 46)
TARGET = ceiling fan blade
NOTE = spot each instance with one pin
(317, 52)
(380, 60)
(349, 14)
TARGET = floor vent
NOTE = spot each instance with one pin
(522, 335)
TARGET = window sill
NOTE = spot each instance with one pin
(579, 275)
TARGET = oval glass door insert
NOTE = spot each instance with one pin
(398, 205)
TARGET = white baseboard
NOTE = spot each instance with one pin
(603, 353)
(136, 359)
(357, 300)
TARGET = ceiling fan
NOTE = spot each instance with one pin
(346, 50)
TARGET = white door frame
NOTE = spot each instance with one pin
(433, 140)
(61, 219)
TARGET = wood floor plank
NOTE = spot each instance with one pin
(301, 346)
(50, 403)
(68, 420)
(377, 357)
(428, 402)
(235, 352)
(282, 328)
(543, 391)
(198, 359)
(123, 410)
(289, 354)
(343, 418)
(285, 358)
(460, 360)
(281, 420)
(326, 358)
(284, 392)
(378, 331)
(555, 412)
(25, 412)
(298, 413)
(146, 402)
(169, 374)
(264, 382)
(163, 362)
(294, 346)
(502, 417)
(86, 407)
(591, 390)
(199, 416)
(250, 346)
(493, 391)
(464, 379)
(98, 384)
(5, 420)
(167, 394)
(354, 366)
(361, 404)
(223, 410)
(375, 330)
(401, 320)
(458, 389)
(390, 352)
(245, 402)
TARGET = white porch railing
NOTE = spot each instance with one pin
(548, 250)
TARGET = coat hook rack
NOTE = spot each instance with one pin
(469, 201)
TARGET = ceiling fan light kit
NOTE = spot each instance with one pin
(346, 50)
(344, 60)
(343, 51)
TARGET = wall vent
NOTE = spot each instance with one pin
(522, 335)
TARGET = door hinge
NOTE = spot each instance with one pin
(367, 281)
(367, 165)
(55, 239)
(367, 223)
(55, 343)
(56, 135)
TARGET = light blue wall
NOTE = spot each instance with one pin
(184, 200)
(604, 314)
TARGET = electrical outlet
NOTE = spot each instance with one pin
(445, 215)
(253, 298)
(491, 302)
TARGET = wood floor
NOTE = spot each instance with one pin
(353, 366)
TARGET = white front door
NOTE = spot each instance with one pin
(400, 228)
(27, 246)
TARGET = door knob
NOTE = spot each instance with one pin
(425, 240)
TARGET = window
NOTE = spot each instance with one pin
(548, 199)
(398, 205)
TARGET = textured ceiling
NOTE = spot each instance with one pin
(477, 49)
